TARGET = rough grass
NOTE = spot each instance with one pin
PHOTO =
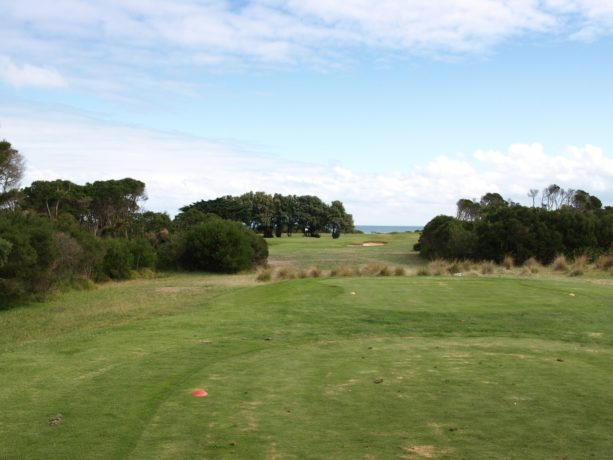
(369, 367)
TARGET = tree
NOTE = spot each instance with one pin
(492, 201)
(532, 194)
(338, 219)
(113, 205)
(11, 173)
(55, 197)
(467, 209)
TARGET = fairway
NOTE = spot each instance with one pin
(334, 368)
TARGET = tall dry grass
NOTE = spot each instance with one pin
(560, 264)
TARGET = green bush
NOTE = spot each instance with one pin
(118, 260)
(221, 246)
(28, 257)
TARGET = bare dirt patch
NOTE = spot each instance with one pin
(366, 244)
(425, 451)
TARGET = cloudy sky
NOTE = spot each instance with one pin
(396, 107)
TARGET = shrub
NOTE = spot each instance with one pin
(399, 271)
(385, 271)
(143, 254)
(118, 261)
(28, 257)
(221, 246)
(315, 272)
(423, 271)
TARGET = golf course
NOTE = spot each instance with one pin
(328, 357)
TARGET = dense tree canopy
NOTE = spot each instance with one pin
(568, 222)
(275, 214)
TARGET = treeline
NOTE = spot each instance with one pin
(277, 214)
(58, 233)
(568, 222)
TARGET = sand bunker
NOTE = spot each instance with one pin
(369, 243)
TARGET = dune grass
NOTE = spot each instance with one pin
(338, 368)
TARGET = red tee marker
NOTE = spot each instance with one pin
(199, 393)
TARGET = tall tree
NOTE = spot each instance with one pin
(11, 173)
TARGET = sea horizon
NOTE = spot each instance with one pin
(388, 228)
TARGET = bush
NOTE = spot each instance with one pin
(118, 260)
(28, 257)
(143, 254)
(221, 246)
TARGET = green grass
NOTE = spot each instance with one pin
(328, 368)
(327, 253)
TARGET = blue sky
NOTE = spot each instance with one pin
(397, 108)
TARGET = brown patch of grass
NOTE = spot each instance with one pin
(285, 273)
(605, 262)
(345, 270)
(579, 266)
(488, 267)
(532, 265)
(315, 272)
(399, 271)
(438, 267)
(372, 269)
(424, 450)
(508, 262)
(423, 271)
(456, 266)
(264, 275)
(560, 264)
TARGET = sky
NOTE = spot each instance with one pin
(398, 108)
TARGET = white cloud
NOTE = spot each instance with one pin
(179, 169)
(280, 31)
(29, 75)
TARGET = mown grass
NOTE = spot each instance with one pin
(327, 253)
(374, 367)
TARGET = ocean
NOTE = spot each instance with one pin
(388, 228)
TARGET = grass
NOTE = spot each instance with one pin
(328, 253)
(375, 367)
